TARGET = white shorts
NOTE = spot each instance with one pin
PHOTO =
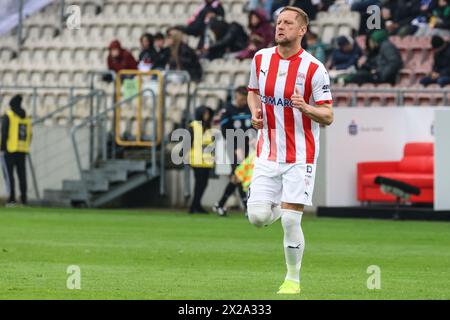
(282, 182)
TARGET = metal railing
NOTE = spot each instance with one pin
(36, 89)
(99, 121)
(99, 95)
(399, 93)
(167, 75)
(136, 74)
(186, 78)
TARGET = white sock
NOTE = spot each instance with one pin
(276, 213)
(294, 242)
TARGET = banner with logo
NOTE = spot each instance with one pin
(368, 134)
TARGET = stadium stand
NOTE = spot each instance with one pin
(54, 56)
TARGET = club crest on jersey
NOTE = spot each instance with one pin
(276, 102)
(300, 78)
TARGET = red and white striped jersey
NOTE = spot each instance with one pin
(288, 135)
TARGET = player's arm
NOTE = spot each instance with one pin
(253, 99)
(322, 110)
(322, 113)
(254, 104)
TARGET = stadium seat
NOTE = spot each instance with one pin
(342, 99)
(415, 168)
(406, 77)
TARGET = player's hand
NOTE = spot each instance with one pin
(257, 119)
(298, 101)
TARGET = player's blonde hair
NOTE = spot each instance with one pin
(302, 16)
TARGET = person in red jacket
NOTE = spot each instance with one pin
(119, 58)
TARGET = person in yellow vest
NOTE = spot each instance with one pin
(201, 159)
(14, 147)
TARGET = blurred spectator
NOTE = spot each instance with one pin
(235, 117)
(225, 38)
(261, 33)
(384, 66)
(162, 54)
(440, 73)
(346, 55)
(182, 57)
(197, 23)
(311, 7)
(200, 161)
(148, 53)
(14, 146)
(398, 14)
(361, 7)
(316, 47)
(261, 4)
(119, 58)
(439, 21)
(207, 37)
(422, 18)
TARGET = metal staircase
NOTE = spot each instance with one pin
(84, 157)
(111, 179)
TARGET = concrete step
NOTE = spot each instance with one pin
(128, 165)
(93, 185)
(112, 175)
(64, 196)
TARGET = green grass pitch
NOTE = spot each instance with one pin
(157, 254)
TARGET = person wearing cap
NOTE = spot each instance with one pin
(440, 73)
(346, 54)
(343, 59)
(120, 58)
(15, 145)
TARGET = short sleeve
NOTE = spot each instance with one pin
(321, 89)
(253, 81)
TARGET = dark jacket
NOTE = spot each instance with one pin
(125, 60)
(404, 11)
(161, 58)
(147, 55)
(233, 119)
(188, 61)
(441, 63)
(388, 62)
(308, 7)
(230, 37)
(158, 59)
(341, 60)
(196, 23)
(17, 109)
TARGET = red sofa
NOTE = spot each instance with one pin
(416, 168)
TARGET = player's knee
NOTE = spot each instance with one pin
(259, 214)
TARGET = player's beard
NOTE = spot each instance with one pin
(286, 42)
